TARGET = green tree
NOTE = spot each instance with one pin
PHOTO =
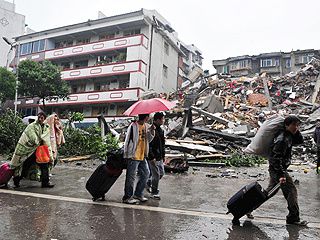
(11, 128)
(41, 79)
(7, 85)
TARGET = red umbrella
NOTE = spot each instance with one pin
(149, 106)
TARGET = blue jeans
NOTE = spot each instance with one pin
(142, 168)
(157, 172)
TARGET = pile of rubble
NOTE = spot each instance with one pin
(218, 114)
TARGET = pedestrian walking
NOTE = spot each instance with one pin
(316, 137)
(36, 134)
(156, 155)
(136, 149)
(280, 160)
(56, 135)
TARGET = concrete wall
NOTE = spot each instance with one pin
(11, 25)
(159, 58)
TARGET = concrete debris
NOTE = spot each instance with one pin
(218, 114)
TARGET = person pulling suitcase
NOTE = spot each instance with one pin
(279, 161)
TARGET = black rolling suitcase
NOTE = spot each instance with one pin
(102, 180)
(249, 198)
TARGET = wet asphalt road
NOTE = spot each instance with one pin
(193, 206)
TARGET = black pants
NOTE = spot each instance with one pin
(289, 191)
(44, 168)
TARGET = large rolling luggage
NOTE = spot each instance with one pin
(249, 198)
(5, 174)
(102, 180)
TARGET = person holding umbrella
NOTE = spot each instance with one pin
(136, 146)
(136, 149)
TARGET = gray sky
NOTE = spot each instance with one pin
(219, 28)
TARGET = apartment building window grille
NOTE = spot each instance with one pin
(165, 71)
(266, 62)
(288, 63)
(166, 48)
(131, 32)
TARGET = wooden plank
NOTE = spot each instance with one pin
(211, 156)
(77, 158)
(190, 141)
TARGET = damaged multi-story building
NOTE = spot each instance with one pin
(110, 62)
(274, 64)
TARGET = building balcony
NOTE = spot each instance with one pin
(98, 97)
(105, 70)
(101, 46)
(89, 48)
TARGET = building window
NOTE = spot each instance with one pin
(306, 58)
(233, 65)
(225, 69)
(165, 71)
(243, 64)
(288, 63)
(166, 48)
(26, 48)
(266, 62)
(277, 62)
(38, 46)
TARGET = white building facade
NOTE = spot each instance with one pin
(11, 25)
(108, 62)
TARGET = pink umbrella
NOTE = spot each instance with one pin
(149, 106)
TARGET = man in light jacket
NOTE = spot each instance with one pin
(136, 149)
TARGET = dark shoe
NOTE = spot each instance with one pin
(298, 223)
(250, 216)
(47, 185)
(16, 181)
(236, 222)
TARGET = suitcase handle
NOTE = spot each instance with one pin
(275, 188)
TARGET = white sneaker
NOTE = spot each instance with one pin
(130, 201)
(141, 199)
(155, 196)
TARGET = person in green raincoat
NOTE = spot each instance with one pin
(35, 134)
